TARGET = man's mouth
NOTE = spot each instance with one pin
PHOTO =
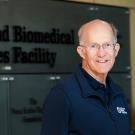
(102, 61)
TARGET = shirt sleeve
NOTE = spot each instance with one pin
(55, 113)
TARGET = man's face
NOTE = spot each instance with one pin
(99, 50)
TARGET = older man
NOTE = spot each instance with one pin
(88, 102)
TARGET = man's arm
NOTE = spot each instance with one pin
(55, 114)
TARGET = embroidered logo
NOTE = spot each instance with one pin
(121, 110)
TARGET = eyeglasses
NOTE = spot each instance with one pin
(96, 46)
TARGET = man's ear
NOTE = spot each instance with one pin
(81, 51)
(117, 48)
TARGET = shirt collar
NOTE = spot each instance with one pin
(91, 81)
(90, 89)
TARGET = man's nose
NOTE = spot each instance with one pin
(101, 51)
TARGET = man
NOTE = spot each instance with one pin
(88, 102)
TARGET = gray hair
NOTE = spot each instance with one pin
(115, 31)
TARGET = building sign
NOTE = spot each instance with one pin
(30, 52)
(30, 113)
(42, 37)
(37, 55)
(24, 35)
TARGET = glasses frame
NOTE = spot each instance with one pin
(96, 46)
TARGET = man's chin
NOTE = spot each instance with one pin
(103, 71)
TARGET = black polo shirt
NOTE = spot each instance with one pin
(99, 87)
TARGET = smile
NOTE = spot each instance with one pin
(102, 61)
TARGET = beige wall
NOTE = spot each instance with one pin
(131, 5)
(121, 3)
(132, 50)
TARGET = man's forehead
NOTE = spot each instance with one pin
(93, 25)
(93, 28)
